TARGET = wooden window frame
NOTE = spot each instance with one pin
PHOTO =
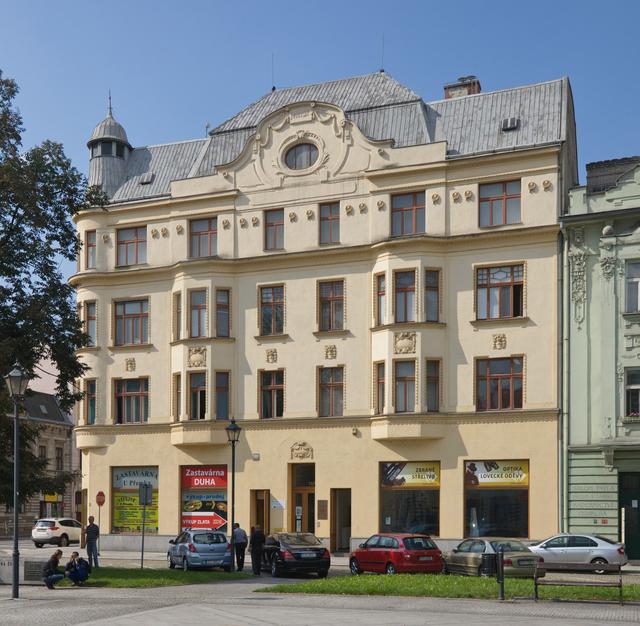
(381, 312)
(177, 315)
(223, 307)
(431, 289)
(380, 387)
(331, 386)
(330, 219)
(202, 332)
(273, 388)
(130, 318)
(629, 280)
(88, 398)
(332, 300)
(91, 318)
(177, 396)
(488, 286)
(438, 382)
(90, 246)
(59, 458)
(405, 380)
(201, 414)
(43, 453)
(272, 304)
(502, 198)
(140, 237)
(488, 377)
(404, 290)
(140, 395)
(271, 230)
(210, 236)
(218, 388)
(414, 209)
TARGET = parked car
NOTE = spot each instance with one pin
(199, 548)
(289, 553)
(466, 557)
(571, 548)
(60, 531)
(391, 553)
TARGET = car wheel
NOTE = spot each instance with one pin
(354, 566)
(599, 561)
(445, 569)
(390, 569)
(480, 571)
(226, 568)
(322, 573)
(170, 562)
(37, 544)
(275, 572)
(64, 541)
(185, 564)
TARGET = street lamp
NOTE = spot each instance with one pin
(233, 435)
(17, 382)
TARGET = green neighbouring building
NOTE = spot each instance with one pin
(601, 376)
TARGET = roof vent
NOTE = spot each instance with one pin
(510, 123)
(147, 178)
(43, 409)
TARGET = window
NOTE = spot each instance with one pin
(405, 296)
(177, 395)
(432, 295)
(499, 292)
(132, 322)
(407, 214)
(90, 401)
(120, 150)
(557, 542)
(90, 249)
(198, 313)
(405, 386)
(272, 310)
(198, 395)
(91, 321)
(106, 148)
(203, 237)
(633, 293)
(222, 395)
(59, 459)
(301, 157)
(271, 394)
(222, 312)
(331, 391)
(132, 401)
(177, 309)
(274, 229)
(330, 223)
(500, 203)
(433, 385)
(332, 305)
(132, 246)
(582, 542)
(379, 388)
(42, 453)
(498, 384)
(632, 392)
(381, 299)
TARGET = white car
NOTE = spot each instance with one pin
(60, 531)
(570, 548)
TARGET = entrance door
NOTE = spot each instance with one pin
(303, 497)
(630, 502)
(261, 509)
(340, 520)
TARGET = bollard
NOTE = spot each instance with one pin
(500, 573)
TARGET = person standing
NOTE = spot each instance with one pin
(50, 573)
(256, 546)
(92, 533)
(239, 545)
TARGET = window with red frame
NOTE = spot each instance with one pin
(203, 237)
(632, 391)
(432, 295)
(132, 322)
(198, 313)
(330, 223)
(433, 385)
(274, 229)
(405, 296)
(177, 385)
(271, 394)
(222, 395)
(407, 214)
(197, 395)
(500, 204)
(405, 381)
(332, 305)
(90, 401)
(498, 384)
(132, 246)
(499, 292)
(272, 310)
(90, 251)
(381, 299)
(91, 322)
(132, 401)
(379, 388)
(331, 391)
(223, 297)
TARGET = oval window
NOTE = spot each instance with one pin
(301, 157)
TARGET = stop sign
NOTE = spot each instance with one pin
(100, 498)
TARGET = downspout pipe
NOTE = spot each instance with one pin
(563, 464)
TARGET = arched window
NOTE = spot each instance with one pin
(301, 156)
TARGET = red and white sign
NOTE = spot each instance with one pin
(204, 476)
(100, 498)
(203, 520)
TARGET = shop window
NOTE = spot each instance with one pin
(132, 322)
(132, 400)
(203, 238)
(499, 384)
(274, 229)
(330, 223)
(223, 298)
(405, 386)
(432, 295)
(410, 497)
(499, 292)
(126, 513)
(632, 389)
(407, 214)
(379, 388)
(632, 278)
(90, 249)
(433, 385)
(272, 310)
(271, 394)
(90, 401)
(500, 204)
(381, 299)
(59, 459)
(198, 313)
(332, 305)
(132, 246)
(197, 396)
(405, 296)
(222, 395)
(331, 391)
(91, 322)
(177, 316)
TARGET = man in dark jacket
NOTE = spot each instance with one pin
(50, 573)
(256, 546)
(239, 545)
(92, 532)
(77, 569)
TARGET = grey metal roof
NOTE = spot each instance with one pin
(44, 406)
(109, 128)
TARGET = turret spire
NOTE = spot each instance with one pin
(109, 109)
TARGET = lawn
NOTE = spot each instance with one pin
(439, 586)
(120, 577)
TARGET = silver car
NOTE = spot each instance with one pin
(573, 548)
(199, 548)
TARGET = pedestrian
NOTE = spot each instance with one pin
(92, 533)
(50, 573)
(77, 569)
(257, 543)
(239, 545)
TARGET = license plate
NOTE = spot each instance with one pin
(425, 558)
(525, 561)
(307, 555)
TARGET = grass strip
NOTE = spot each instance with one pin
(438, 586)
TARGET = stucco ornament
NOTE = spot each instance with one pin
(435, 198)
(620, 372)
(380, 205)
(255, 221)
(578, 236)
(301, 450)
(532, 186)
(130, 365)
(348, 209)
(179, 229)
(164, 231)
(293, 217)
(404, 343)
(197, 356)
(105, 237)
(362, 207)
(456, 196)
(226, 224)
(243, 222)
(310, 214)
(499, 341)
(154, 233)
(546, 185)
(272, 355)
(578, 265)
(608, 265)
(468, 194)
(330, 352)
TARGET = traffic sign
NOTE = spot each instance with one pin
(100, 498)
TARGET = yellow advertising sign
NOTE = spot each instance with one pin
(410, 474)
(489, 474)
(51, 497)
(127, 513)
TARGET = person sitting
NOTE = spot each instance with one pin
(77, 569)
(50, 573)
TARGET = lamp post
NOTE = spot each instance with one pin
(17, 382)
(233, 435)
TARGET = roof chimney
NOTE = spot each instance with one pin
(465, 86)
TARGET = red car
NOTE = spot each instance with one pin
(391, 553)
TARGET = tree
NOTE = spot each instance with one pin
(40, 192)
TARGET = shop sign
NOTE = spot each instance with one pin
(127, 512)
(204, 476)
(204, 497)
(51, 497)
(410, 474)
(490, 474)
(131, 477)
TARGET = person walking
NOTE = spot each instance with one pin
(92, 533)
(77, 569)
(239, 545)
(256, 546)
(50, 573)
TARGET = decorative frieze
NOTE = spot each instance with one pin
(404, 343)
(197, 356)
(608, 265)
(578, 277)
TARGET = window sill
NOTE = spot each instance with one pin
(633, 316)
(272, 338)
(493, 411)
(513, 321)
(189, 341)
(133, 346)
(88, 349)
(493, 226)
(400, 325)
(132, 266)
(331, 333)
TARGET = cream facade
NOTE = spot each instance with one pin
(413, 446)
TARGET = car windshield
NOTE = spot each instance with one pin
(418, 543)
(298, 539)
(606, 539)
(509, 546)
(45, 523)
(208, 538)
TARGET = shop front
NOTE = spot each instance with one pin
(126, 511)
(204, 497)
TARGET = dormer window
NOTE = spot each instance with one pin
(106, 148)
(301, 156)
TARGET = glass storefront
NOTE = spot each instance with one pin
(126, 516)
(410, 497)
(204, 497)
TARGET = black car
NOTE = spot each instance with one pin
(289, 553)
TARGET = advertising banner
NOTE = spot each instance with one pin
(425, 474)
(204, 503)
(127, 512)
(204, 476)
(490, 474)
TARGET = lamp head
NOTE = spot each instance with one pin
(17, 382)
(233, 431)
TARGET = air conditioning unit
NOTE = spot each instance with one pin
(510, 123)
